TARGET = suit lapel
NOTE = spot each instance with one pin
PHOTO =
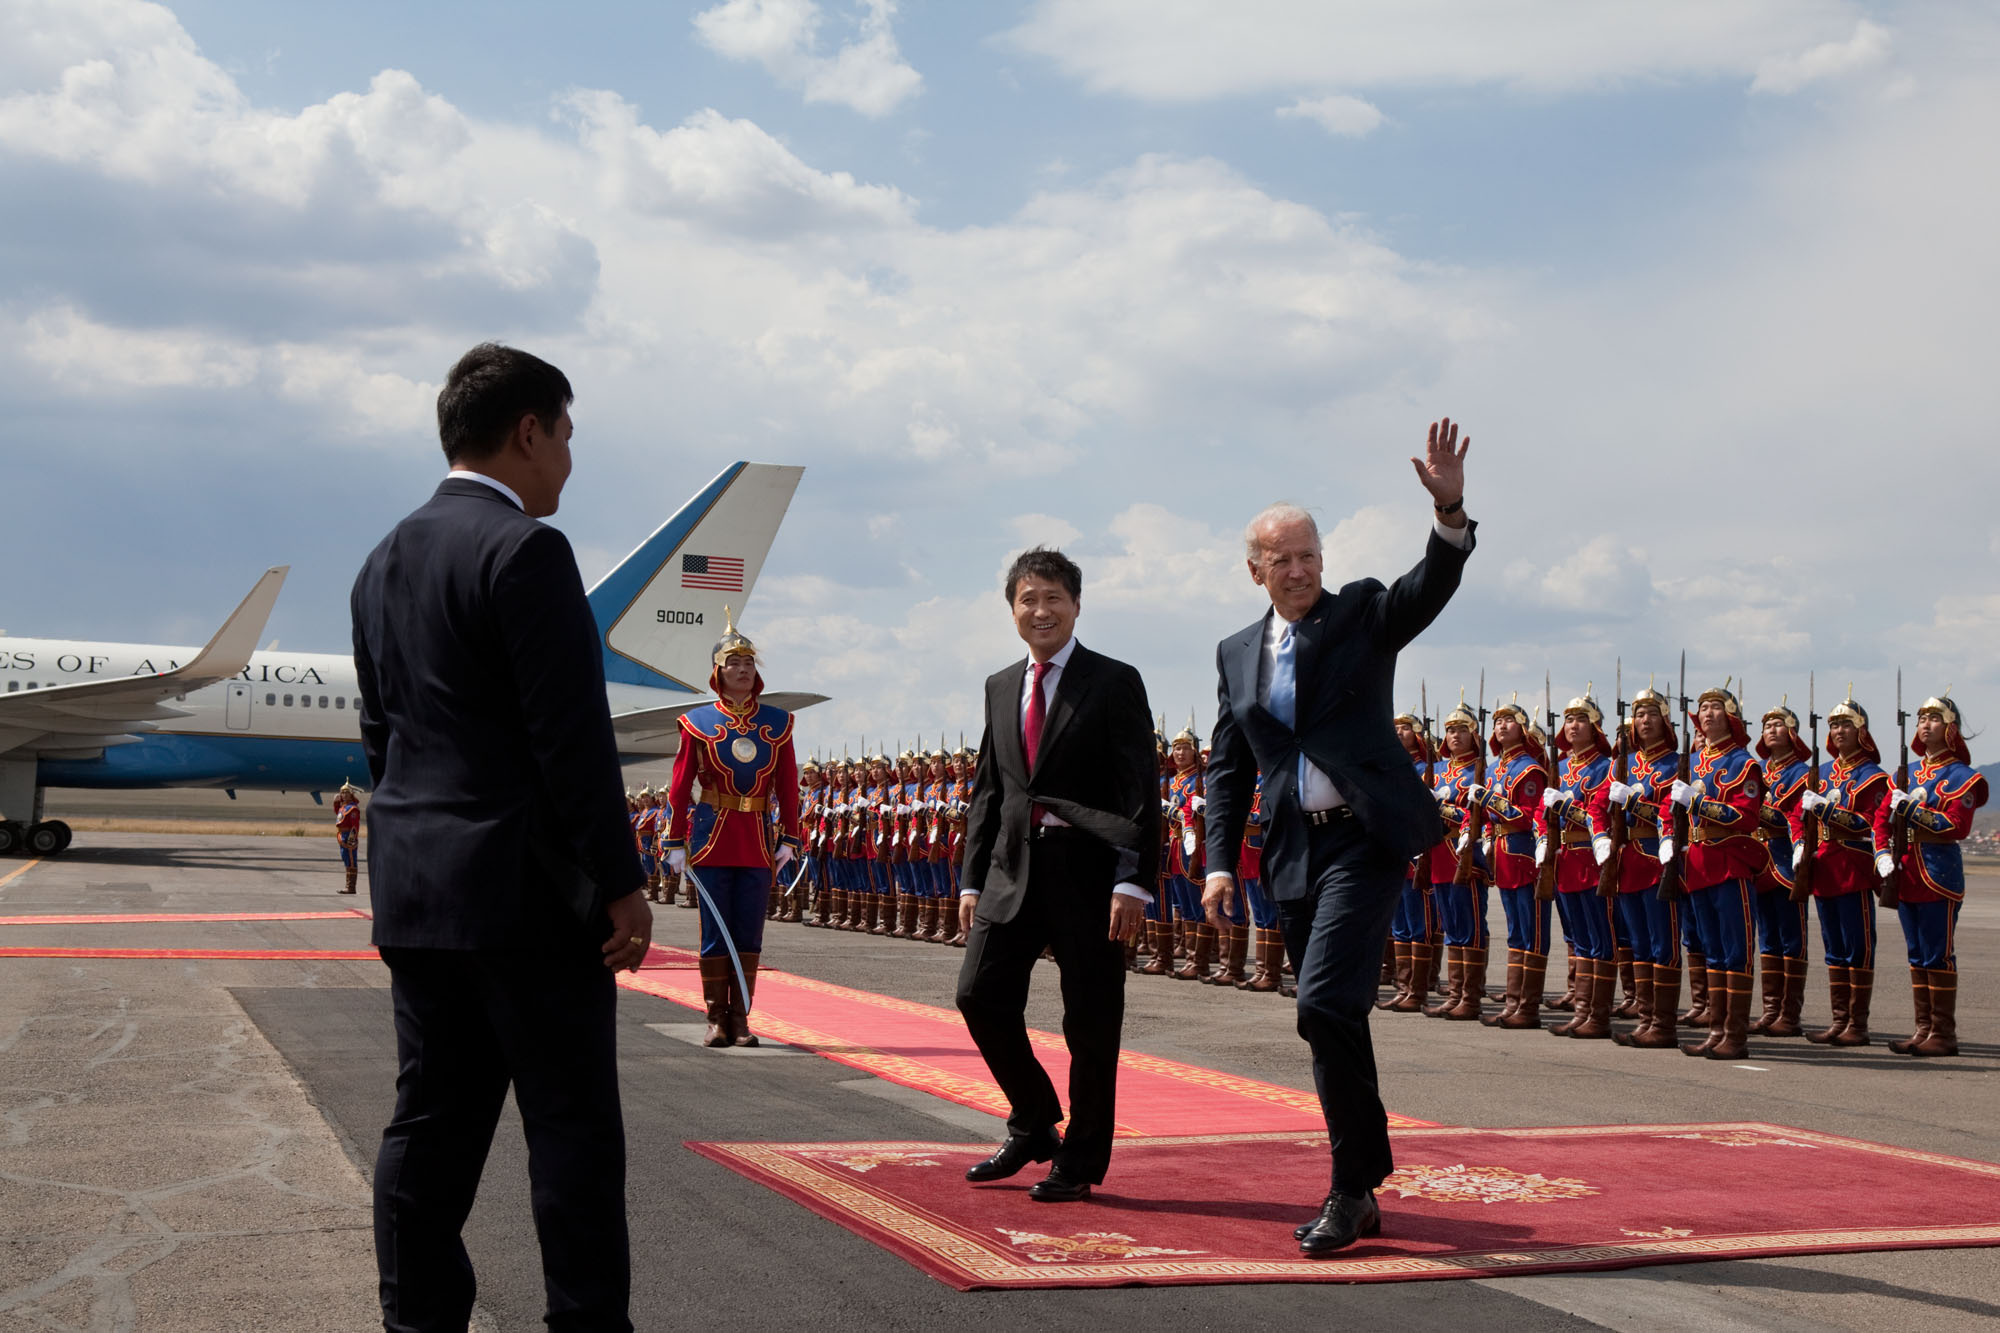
(1073, 684)
(1009, 741)
(1311, 635)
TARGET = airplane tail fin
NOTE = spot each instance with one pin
(661, 609)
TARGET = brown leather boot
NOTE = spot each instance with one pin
(1943, 1038)
(1510, 994)
(885, 914)
(1642, 982)
(715, 988)
(902, 916)
(1196, 967)
(1527, 1010)
(1718, 1008)
(1584, 986)
(1388, 973)
(1401, 972)
(1787, 1022)
(739, 1002)
(1663, 1033)
(1270, 963)
(1421, 962)
(1567, 1000)
(1235, 948)
(1603, 997)
(1162, 962)
(1628, 984)
(1697, 1014)
(1183, 938)
(352, 876)
(1920, 1001)
(1454, 982)
(690, 900)
(954, 937)
(800, 888)
(1861, 992)
(1839, 995)
(1771, 973)
(1472, 986)
(1732, 1044)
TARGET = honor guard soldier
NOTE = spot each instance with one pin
(841, 846)
(1938, 808)
(901, 798)
(1724, 798)
(740, 750)
(1652, 923)
(1411, 927)
(1461, 906)
(1511, 800)
(963, 768)
(1185, 803)
(1162, 931)
(1270, 971)
(347, 832)
(1578, 837)
(812, 826)
(1781, 906)
(1852, 799)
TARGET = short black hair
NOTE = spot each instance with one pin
(1045, 563)
(488, 392)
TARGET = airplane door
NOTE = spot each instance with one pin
(236, 713)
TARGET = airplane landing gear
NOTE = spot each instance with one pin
(12, 836)
(48, 839)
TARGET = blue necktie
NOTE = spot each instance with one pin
(1284, 701)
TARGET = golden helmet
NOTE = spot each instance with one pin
(732, 643)
(1587, 706)
(1188, 733)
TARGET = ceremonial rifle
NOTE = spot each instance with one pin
(1809, 824)
(1899, 820)
(1673, 888)
(1475, 815)
(1545, 880)
(1621, 772)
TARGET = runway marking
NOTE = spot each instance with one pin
(154, 918)
(250, 955)
(13, 875)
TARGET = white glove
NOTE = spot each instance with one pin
(1683, 794)
(1552, 797)
(1200, 803)
(1814, 802)
(1458, 848)
(1476, 794)
(1885, 864)
(784, 857)
(1187, 843)
(1620, 793)
(1899, 799)
(1600, 848)
(1541, 851)
(1798, 856)
(1666, 851)
(677, 860)
(1440, 794)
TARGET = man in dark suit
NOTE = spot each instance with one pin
(1305, 699)
(505, 883)
(1062, 845)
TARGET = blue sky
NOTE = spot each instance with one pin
(1707, 282)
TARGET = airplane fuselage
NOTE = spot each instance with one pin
(287, 722)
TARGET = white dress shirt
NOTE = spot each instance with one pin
(500, 486)
(1050, 679)
(1318, 791)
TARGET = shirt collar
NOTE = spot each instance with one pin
(485, 480)
(1061, 659)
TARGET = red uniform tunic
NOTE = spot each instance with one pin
(743, 759)
(1573, 823)
(1722, 824)
(1851, 827)
(1513, 807)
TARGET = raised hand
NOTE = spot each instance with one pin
(1442, 468)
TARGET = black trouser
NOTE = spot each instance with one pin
(1334, 935)
(1066, 909)
(467, 1025)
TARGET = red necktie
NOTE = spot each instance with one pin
(1031, 725)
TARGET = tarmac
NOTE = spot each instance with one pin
(185, 1145)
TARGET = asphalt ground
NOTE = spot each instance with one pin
(185, 1145)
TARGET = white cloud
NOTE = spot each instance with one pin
(1192, 50)
(1043, 530)
(867, 74)
(1868, 47)
(1339, 115)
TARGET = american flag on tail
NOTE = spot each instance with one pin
(718, 573)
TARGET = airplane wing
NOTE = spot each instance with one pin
(645, 724)
(90, 715)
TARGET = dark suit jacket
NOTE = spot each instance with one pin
(1096, 769)
(1346, 678)
(498, 817)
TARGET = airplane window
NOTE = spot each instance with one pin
(357, 705)
(322, 701)
(339, 702)
(13, 687)
(270, 701)
(288, 701)
(305, 701)
(33, 686)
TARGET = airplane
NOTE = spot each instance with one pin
(126, 716)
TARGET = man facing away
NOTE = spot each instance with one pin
(502, 869)
(1306, 698)
(1063, 829)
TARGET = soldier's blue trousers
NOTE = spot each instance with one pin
(1653, 927)
(1463, 910)
(1847, 929)
(741, 892)
(1931, 931)
(1781, 925)
(1185, 896)
(1588, 922)
(1722, 916)
(1527, 920)
(1263, 909)
(1412, 922)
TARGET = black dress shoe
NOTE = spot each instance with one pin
(1299, 1231)
(1344, 1220)
(1015, 1153)
(1058, 1188)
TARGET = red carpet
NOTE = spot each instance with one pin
(1463, 1203)
(241, 955)
(924, 1047)
(150, 918)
